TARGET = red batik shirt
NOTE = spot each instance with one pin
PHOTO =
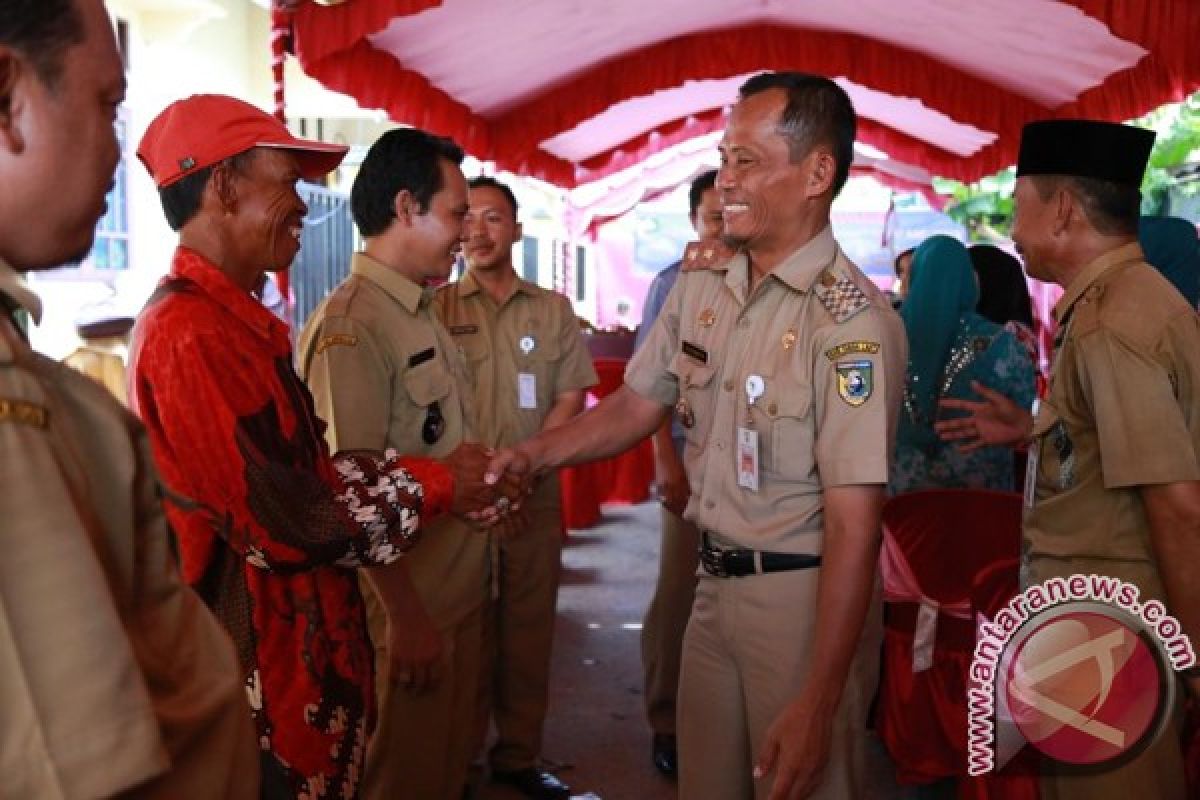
(269, 534)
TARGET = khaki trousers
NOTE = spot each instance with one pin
(519, 633)
(746, 654)
(423, 743)
(1158, 772)
(667, 618)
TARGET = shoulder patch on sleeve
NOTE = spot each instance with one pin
(21, 412)
(336, 340)
(705, 255)
(840, 296)
(846, 348)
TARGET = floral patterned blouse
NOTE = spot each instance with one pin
(984, 352)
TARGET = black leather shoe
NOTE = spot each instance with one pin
(534, 784)
(666, 758)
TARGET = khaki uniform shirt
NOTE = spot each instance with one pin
(1123, 411)
(114, 677)
(103, 360)
(533, 334)
(830, 354)
(376, 360)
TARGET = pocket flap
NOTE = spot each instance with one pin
(1046, 418)
(427, 383)
(690, 372)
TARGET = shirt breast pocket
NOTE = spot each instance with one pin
(425, 423)
(789, 411)
(542, 363)
(697, 398)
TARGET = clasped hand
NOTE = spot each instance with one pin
(485, 503)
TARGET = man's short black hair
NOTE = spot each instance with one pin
(41, 31)
(818, 111)
(404, 158)
(181, 200)
(702, 183)
(488, 182)
(1112, 209)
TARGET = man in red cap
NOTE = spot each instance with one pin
(115, 680)
(271, 527)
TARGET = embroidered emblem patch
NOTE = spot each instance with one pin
(855, 381)
(707, 318)
(789, 338)
(846, 348)
(23, 413)
(337, 340)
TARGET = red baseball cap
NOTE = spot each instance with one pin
(204, 129)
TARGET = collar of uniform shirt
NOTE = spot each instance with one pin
(14, 288)
(1092, 272)
(405, 292)
(469, 285)
(242, 305)
(799, 271)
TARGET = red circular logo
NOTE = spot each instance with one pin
(1084, 687)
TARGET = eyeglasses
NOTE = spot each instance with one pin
(435, 424)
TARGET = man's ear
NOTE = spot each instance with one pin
(405, 206)
(13, 73)
(223, 185)
(518, 233)
(1066, 206)
(823, 168)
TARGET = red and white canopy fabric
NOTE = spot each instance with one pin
(571, 91)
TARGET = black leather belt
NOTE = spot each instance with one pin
(738, 562)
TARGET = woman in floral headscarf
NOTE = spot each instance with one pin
(949, 346)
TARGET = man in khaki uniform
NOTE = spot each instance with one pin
(1114, 481)
(785, 365)
(115, 680)
(530, 369)
(384, 373)
(667, 615)
(104, 353)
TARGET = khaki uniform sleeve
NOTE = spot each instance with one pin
(855, 435)
(1140, 428)
(78, 720)
(648, 372)
(351, 384)
(576, 370)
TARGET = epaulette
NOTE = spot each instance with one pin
(705, 255)
(841, 296)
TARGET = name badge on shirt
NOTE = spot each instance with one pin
(1031, 468)
(747, 458)
(526, 390)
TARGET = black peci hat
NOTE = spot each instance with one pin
(1085, 148)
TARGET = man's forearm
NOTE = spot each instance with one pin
(566, 406)
(848, 570)
(1173, 511)
(664, 443)
(617, 423)
(396, 591)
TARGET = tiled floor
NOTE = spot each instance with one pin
(597, 729)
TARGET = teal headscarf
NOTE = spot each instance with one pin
(1171, 246)
(942, 289)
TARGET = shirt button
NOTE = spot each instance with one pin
(710, 505)
(728, 385)
(772, 409)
